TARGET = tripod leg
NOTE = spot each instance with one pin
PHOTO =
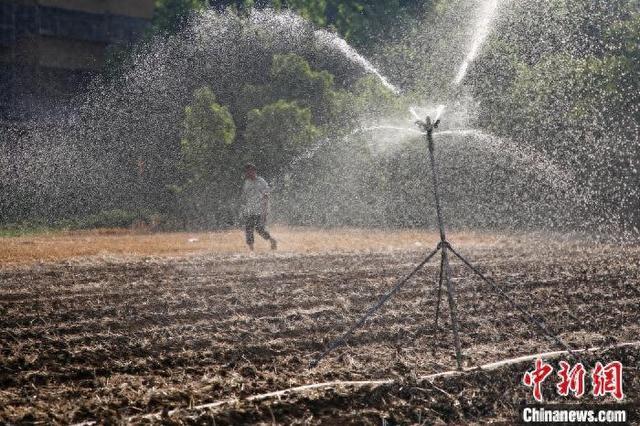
(451, 295)
(402, 281)
(435, 327)
(528, 317)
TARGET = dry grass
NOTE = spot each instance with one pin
(120, 242)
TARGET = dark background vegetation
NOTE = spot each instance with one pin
(564, 78)
(560, 77)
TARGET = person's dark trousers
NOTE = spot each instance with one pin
(255, 222)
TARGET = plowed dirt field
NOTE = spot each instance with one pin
(111, 328)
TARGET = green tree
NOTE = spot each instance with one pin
(292, 78)
(584, 61)
(276, 133)
(359, 21)
(171, 15)
(208, 162)
(208, 132)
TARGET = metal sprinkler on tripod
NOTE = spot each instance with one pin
(444, 247)
(445, 271)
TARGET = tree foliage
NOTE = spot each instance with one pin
(207, 162)
(567, 83)
(361, 22)
(171, 15)
(276, 133)
(208, 132)
(293, 79)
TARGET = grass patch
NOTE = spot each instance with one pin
(109, 219)
(25, 229)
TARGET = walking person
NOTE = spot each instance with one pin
(255, 203)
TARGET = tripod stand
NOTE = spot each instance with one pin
(444, 247)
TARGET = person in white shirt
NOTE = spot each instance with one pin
(255, 197)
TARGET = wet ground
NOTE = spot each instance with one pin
(115, 338)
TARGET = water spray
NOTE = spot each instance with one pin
(487, 13)
(486, 16)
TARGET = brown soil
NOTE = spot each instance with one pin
(108, 243)
(121, 334)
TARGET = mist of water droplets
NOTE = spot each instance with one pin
(374, 174)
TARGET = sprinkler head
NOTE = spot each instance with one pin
(426, 125)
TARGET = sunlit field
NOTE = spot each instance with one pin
(119, 243)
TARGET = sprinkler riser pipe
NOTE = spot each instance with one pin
(436, 185)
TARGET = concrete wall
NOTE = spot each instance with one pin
(54, 52)
(50, 49)
(133, 8)
(19, 20)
